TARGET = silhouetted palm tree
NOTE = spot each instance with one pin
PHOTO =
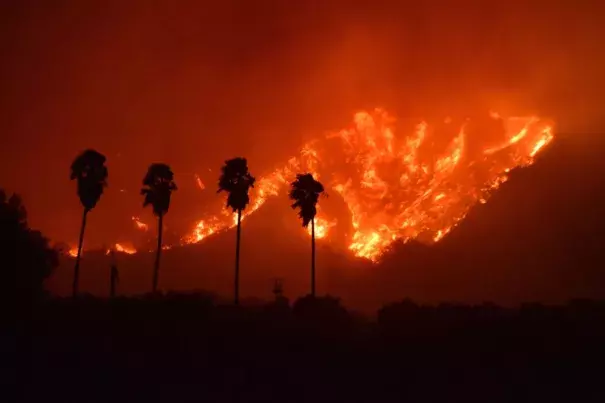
(91, 174)
(305, 192)
(236, 180)
(158, 186)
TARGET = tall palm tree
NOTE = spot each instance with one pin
(158, 186)
(90, 173)
(305, 192)
(236, 180)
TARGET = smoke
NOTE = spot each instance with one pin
(194, 84)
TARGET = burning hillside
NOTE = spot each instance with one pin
(397, 182)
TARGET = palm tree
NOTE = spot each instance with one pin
(158, 186)
(91, 174)
(236, 180)
(305, 192)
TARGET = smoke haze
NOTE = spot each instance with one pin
(194, 83)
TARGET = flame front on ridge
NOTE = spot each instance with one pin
(396, 183)
(401, 186)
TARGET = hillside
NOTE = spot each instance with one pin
(537, 238)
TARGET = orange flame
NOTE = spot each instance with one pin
(396, 187)
(199, 182)
(140, 224)
(122, 248)
(125, 249)
(322, 225)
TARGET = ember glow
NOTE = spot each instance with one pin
(199, 183)
(397, 183)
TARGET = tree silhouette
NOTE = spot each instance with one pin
(91, 174)
(27, 257)
(236, 180)
(158, 186)
(305, 192)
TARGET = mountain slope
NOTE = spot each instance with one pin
(537, 238)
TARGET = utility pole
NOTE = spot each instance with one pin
(114, 277)
(278, 289)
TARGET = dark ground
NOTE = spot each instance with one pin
(185, 348)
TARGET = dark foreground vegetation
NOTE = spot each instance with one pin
(180, 347)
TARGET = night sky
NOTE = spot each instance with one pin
(194, 83)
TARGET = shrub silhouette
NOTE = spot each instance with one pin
(28, 258)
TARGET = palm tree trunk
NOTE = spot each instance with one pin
(237, 242)
(313, 257)
(74, 288)
(112, 285)
(156, 267)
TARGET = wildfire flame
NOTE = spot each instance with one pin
(416, 184)
(199, 183)
(123, 248)
(140, 224)
(401, 187)
(322, 226)
(118, 247)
